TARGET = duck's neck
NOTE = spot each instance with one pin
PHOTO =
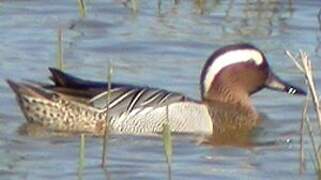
(232, 97)
(231, 111)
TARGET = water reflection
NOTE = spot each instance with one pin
(256, 17)
(318, 47)
(206, 6)
(250, 18)
(36, 130)
(226, 21)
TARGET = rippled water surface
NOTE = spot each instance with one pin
(162, 47)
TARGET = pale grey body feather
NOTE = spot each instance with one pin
(144, 110)
(187, 117)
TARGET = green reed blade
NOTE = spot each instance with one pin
(167, 142)
(109, 79)
(81, 155)
(82, 8)
(134, 4)
(60, 57)
(201, 5)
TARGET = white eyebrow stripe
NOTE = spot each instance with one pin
(229, 58)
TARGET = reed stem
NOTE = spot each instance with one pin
(81, 155)
(60, 50)
(109, 78)
(134, 4)
(82, 8)
(314, 146)
(305, 67)
(304, 117)
(168, 147)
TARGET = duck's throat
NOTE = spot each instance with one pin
(229, 118)
(235, 97)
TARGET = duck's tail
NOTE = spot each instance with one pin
(23, 89)
(63, 79)
(53, 110)
(30, 98)
(74, 86)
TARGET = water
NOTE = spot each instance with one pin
(163, 48)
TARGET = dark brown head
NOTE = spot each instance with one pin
(232, 73)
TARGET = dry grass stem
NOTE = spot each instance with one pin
(314, 146)
(294, 59)
(305, 66)
(304, 117)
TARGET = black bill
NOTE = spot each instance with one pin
(275, 83)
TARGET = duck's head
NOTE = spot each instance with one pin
(232, 73)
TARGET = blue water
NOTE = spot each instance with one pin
(163, 48)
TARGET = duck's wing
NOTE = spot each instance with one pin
(123, 97)
(128, 98)
(70, 85)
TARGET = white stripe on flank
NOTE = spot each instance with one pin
(121, 98)
(229, 58)
(152, 97)
(102, 94)
(134, 101)
(165, 98)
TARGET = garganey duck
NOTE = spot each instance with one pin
(230, 75)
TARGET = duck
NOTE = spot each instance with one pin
(228, 79)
